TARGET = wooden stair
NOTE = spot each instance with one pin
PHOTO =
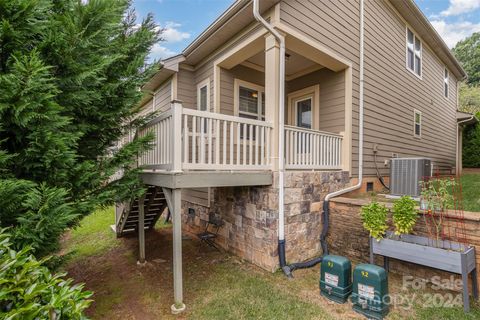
(154, 204)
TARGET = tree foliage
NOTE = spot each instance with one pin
(468, 53)
(469, 98)
(70, 72)
(29, 291)
(471, 145)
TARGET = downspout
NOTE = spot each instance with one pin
(326, 208)
(281, 148)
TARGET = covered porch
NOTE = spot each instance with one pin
(234, 141)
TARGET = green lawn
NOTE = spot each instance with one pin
(93, 236)
(471, 191)
(217, 285)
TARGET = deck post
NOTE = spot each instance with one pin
(178, 306)
(176, 137)
(141, 230)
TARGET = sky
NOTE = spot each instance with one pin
(184, 20)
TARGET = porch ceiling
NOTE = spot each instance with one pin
(295, 64)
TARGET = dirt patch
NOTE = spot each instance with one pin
(125, 290)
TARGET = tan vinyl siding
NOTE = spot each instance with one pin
(332, 97)
(187, 89)
(163, 96)
(391, 91)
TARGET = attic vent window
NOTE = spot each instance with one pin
(414, 53)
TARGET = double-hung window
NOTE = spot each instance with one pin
(414, 53)
(417, 123)
(251, 102)
(446, 78)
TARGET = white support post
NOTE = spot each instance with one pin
(272, 73)
(176, 137)
(178, 306)
(141, 230)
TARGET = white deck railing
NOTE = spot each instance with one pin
(312, 149)
(187, 139)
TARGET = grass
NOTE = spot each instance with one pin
(93, 236)
(471, 191)
(240, 294)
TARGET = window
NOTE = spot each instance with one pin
(249, 102)
(417, 123)
(304, 112)
(414, 53)
(446, 78)
(203, 95)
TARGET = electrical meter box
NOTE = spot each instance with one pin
(336, 278)
(370, 291)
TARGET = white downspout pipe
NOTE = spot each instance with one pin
(281, 125)
(360, 115)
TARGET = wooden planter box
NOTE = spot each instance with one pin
(443, 255)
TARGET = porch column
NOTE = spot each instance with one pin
(272, 73)
(176, 200)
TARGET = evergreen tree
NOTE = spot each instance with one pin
(70, 73)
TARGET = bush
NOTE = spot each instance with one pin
(404, 215)
(374, 217)
(29, 291)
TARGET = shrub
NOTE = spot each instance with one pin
(374, 217)
(404, 215)
(29, 291)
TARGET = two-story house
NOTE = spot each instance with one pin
(264, 115)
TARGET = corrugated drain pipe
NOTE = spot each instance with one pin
(288, 269)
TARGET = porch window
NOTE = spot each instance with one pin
(203, 95)
(446, 78)
(304, 113)
(417, 123)
(251, 103)
(414, 53)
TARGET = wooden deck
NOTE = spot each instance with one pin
(200, 179)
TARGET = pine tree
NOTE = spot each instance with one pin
(69, 78)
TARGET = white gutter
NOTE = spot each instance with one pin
(360, 118)
(281, 107)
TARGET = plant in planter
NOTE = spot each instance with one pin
(374, 217)
(404, 215)
(437, 199)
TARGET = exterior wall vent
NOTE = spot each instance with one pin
(406, 174)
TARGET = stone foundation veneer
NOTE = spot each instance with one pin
(250, 217)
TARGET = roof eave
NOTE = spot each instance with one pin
(217, 24)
